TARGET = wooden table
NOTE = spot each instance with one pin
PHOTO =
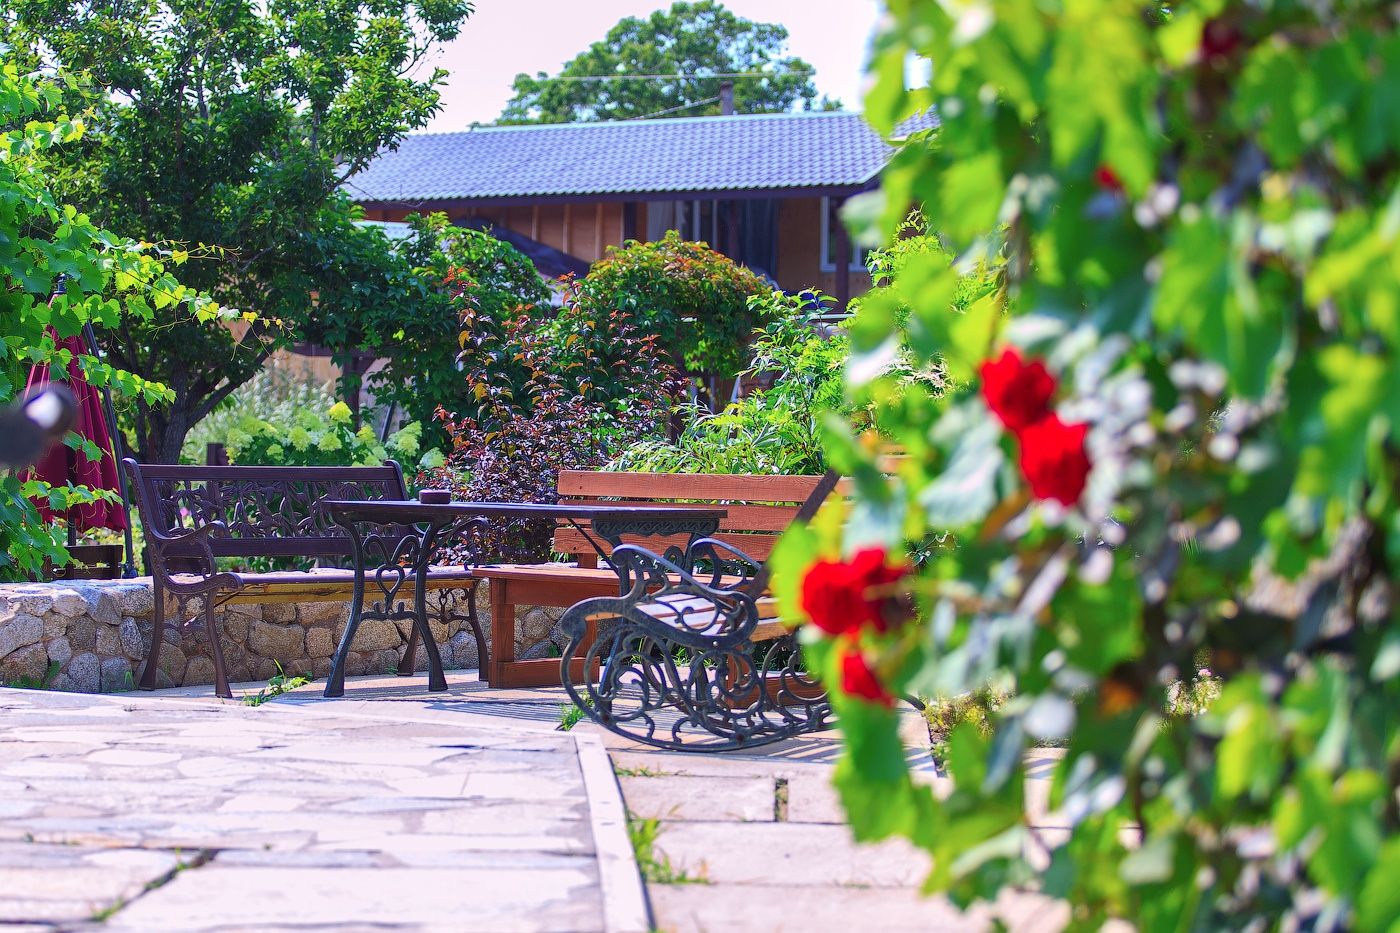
(407, 533)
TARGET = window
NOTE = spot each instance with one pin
(694, 220)
(859, 254)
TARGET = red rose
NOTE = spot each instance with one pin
(1107, 179)
(1219, 40)
(858, 680)
(1053, 459)
(1017, 392)
(838, 597)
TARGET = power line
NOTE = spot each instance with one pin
(680, 77)
(662, 113)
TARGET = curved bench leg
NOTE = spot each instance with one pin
(148, 674)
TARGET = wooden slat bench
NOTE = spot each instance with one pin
(194, 515)
(759, 507)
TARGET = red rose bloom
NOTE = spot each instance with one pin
(1053, 459)
(1017, 392)
(858, 680)
(1107, 179)
(838, 597)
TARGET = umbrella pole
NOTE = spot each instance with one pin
(119, 452)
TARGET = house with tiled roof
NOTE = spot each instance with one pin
(763, 188)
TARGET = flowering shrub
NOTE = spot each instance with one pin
(547, 393)
(309, 438)
(1191, 449)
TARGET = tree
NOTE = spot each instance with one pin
(699, 302)
(232, 123)
(403, 300)
(1167, 461)
(691, 39)
(108, 280)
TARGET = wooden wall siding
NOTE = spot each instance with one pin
(800, 249)
(586, 230)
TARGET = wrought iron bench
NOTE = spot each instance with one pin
(758, 509)
(693, 656)
(194, 515)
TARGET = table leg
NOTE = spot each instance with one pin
(335, 682)
(502, 631)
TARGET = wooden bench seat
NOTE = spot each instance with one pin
(759, 508)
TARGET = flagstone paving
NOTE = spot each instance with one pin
(395, 809)
(157, 813)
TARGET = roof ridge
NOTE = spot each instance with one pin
(665, 121)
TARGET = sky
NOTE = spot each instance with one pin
(505, 37)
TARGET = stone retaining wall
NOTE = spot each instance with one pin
(97, 632)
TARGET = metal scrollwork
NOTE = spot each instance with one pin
(673, 664)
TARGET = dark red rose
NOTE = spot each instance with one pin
(858, 680)
(1053, 459)
(1107, 179)
(843, 596)
(1017, 392)
(1219, 40)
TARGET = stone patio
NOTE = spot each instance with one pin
(396, 809)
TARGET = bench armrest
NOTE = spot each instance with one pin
(729, 567)
(162, 544)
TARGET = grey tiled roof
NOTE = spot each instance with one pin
(786, 150)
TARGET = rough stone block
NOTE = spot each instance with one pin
(319, 643)
(116, 675)
(27, 664)
(324, 613)
(82, 633)
(132, 644)
(283, 642)
(103, 604)
(173, 662)
(137, 598)
(376, 635)
(69, 603)
(60, 651)
(280, 613)
(18, 631)
(109, 642)
(200, 670)
(85, 671)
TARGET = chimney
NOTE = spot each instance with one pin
(726, 98)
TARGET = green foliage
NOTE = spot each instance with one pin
(548, 391)
(701, 38)
(1197, 210)
(275, 394)
(234, 124)
(696, 300)
(655, 866)
(311, 438)
(278, 684)
(43, 682)
(110, 281)
(775, 429)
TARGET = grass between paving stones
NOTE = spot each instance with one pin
(200, 857)
(656, 867)
(641, 771)
(277, 685)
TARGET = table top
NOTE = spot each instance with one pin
(411, 510)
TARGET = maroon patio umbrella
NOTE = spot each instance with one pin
(63, 465)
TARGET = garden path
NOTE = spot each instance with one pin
(166, 813)
(393, 809)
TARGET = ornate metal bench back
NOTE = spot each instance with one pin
(265, 511)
